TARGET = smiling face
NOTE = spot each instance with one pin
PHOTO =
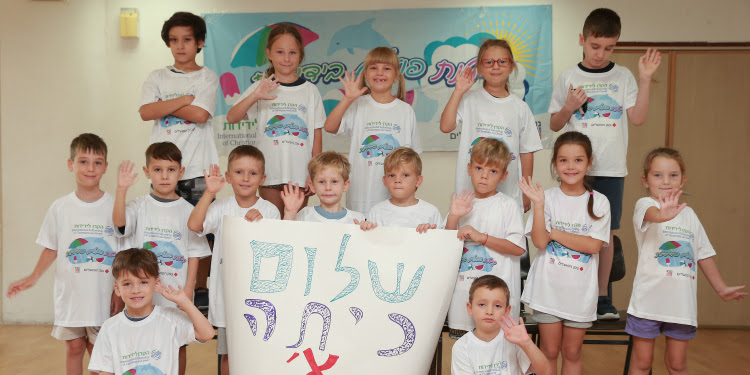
(485, 177)
(402, 182)
(164, 175)
(137, 292)
(488, 307)
(88, 168)
(495, 76)
(183, 45)
(597, 50)
(380, 77)
(571, 164)
(284, 54)
(245, 174)
(664, 176)
(330, 186)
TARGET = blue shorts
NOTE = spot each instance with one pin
(612, 188)
(651, 329)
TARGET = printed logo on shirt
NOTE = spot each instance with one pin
(93, 250)
(170, 120)
(143, 370)
(574, 228)
(378, 145)
(167, 254)
(676, 254)
(559, 250)
(512, 155)
(497, 368)
(287, 124)
(601, 106)
(475, 257)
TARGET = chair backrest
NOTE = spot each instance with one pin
(618, 261)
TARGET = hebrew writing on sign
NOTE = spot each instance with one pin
(313, 298)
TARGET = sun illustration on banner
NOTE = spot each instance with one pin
(514, 28)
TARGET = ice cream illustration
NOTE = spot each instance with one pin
(166, 253)
(229, 88)
(378, 145)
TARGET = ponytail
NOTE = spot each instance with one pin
(591, 201)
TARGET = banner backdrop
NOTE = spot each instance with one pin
(315, 298)
(432, 45)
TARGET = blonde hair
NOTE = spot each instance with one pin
(400, 156)
(276, 33)
(385, 55)
(329, 159)
(492, 151)
(501, 43)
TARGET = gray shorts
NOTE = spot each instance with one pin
(541, 317)
(221, 342)
(72, 333)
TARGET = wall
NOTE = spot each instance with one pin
(65, 70)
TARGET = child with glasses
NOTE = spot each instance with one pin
(492, 112)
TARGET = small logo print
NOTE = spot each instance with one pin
(275, 143)
(669, 273)
(169, 132)
(551, 261)
(369, 163)
(461, 277)
(396, 128)
(508, 132)
(613, 88)
(155, 354)
(584, 125)
(78, 270)
(109, 231)
(302, 108)
(177, 235)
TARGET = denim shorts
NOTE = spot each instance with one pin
(651, 329)
(612, 188)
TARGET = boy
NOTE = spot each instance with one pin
(78, 235)
(403, 175)
(144, 338)
(246, 172)
(158, 222)
(329, 174)
(485, 348)
(490, 223)
(596, 98)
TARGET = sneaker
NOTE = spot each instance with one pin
(605, 310)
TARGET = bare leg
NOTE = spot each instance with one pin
(183, 359)
(643, 356)
(225, 364)
(90, 348)
(675, 356)
(605, 265)
(551, 340)
(572, 348)
(74, 350)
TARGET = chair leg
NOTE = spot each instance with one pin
(218, 371)
(627, 355)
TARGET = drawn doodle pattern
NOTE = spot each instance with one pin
(357, 313)
(410, 336)
(283, 270)
(354, 282)
(253, 323)
(310, 265)
(395, 296)
(325, 313)
(270, 311)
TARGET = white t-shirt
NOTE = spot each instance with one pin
(286, 130)
(564, 282)
(498, 216)
(313, 214)
(195, 141)
(472, 356)
(214, 217)
(665, 287)
(376, 130)
(83, 235)
(162, 228)
(387, 214)
(610, 94)
(507, 119)
(148, 346)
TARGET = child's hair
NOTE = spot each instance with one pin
(665, 152)
(402, 155)
(329, 159)
(491, 151)
(276, 33)
(602, 22)
(249, 151)
(137, 262)
(385, 55)
(502, 43)
(163, 151)
(580, 139)
(185, 19)
(490, 282)
(88, 142)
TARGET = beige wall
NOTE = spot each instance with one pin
(65, 70)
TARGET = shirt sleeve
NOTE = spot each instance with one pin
(183, 326)
(320, 112)
(271, 212)
(373, 216)
(632, 90)
(254, 108)
(436, 219)
(150, 90)
(704, 249)
(522, 360)
(213, 218)
(514, 230)
(197, 246)
(600, 228)
(639, 215)
(131, 219)
(102, 356)
(415, 143)
(460, 361)
(347, 121)
(49, 231)
(559, 94)
(460, 111)
(205, 91)
(529, 138)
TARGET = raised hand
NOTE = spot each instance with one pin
(576, 98)
(266, 85)
(20, 286)
(670, 205)
(214, 181)
(253, 215)
(648, 63)
(126, 176)
(467, 232)
(732, 293)
(465, 79)
(514, 333)
(352, 81)
(293, 197)
(422, 228)
(365, 225)
(172, 294)
(535, 193)
(461, 204)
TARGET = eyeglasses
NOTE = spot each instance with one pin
(501, 62)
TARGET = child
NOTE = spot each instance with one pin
(329, 173)
(144, 338)
(78, 237)
(246, 172)
(377, 122)
(181, 99)
(568, 225)
(490, 223)
(158, 221)
(287, 107)
(597, 98)
(665, 302)
(485, 348)
(492, 112)
(403, 175)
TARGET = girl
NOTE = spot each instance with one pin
(569, 224)
(671, 242)
(492, 112)
(377, 122)
(289, 112)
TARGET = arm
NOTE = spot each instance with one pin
(161, 108)
(460, 206)
(191, 276)
(318, 143)
(192, 114)
(464, 81)
(539, 235)
(204, 331)
(46, 258)
(727, 293)
(261, 92)
(575, 99)
(352, 91)
(527, 170)
(496, 244)
(125, 179)
(670, 208)
(647, 65)
(515, 333)
(584, 244)
(214, 183)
